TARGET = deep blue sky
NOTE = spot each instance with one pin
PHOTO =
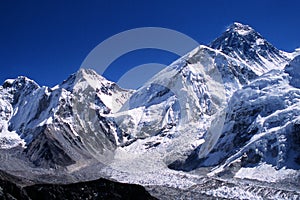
(48, 40)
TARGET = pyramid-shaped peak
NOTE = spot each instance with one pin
(83, 72)
(87, 71)
(84, 77)
(239, 37)
(245, 44)
(240, 28)
(88, 74)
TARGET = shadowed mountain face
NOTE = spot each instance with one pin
(245, 44)
(64, 124)
(97, 189)
(229, 110)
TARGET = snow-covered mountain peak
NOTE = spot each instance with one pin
(239, 28)
(20, 83)
(246, 45)
(83, 78)
(89, 74)
(229, 105)
(88, 84)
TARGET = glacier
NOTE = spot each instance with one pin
(220, 122)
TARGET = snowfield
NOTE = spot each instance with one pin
(223, 121)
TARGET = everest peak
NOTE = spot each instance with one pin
(239, 28)
(248, 46)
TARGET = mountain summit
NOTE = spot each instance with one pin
(245, 44)
(227, 112)
(241, 29)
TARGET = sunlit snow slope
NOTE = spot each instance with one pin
(226, 112)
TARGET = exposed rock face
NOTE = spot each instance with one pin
(230, 113)
(98, 189)
(245, 44)
(64, 124)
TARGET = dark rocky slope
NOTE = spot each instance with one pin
(97, 189)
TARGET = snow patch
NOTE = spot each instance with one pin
(260, 41)
(232, 193)
(9, 139)
(267, 173)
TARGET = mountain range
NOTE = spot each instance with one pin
(223, 121)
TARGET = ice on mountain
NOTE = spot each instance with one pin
(70, 116)
(293, 69)
(9, 139)
(260, 128)
(266, 173)
(245, 44)
(240, 28)
(260, 41)
(233, 106)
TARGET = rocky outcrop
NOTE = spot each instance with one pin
(97, 189)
